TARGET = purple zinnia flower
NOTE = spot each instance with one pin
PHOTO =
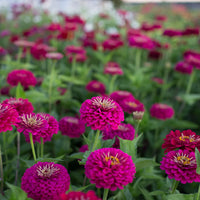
(23, 106)
(96, 86)
(71, 126)
(110, 168)
(8, 117)
(98, 112)
(184, 67)
(45, 181)
(120, 95)
(124, 131)
(181, 166)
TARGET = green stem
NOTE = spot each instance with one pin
(28, 56)
(19, 55)
(112, 82)
(42, 147)
(137, 128)
(18, 157)
(51, 82)
(174, 186)
(32, 146)
(138, 58)
(73, 71)
(189, 85)
(163, 90)
(1, 169)
(105, 194)
(198, 194)
(4, 146)
(96, 140)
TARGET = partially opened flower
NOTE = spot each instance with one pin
(181, 166)
(96, 86)
(71, 126)
(23, 106)
(161, 111)
(184, 67)
(23, 76)
(45, 181)
(181, 139)
(77, 195)
(110, 168)
(8, 117)
(124, 131)
(98, 112)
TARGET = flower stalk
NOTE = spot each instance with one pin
(105, 194)
(32, 146)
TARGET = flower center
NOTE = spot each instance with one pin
(104, 103)
(14, 101)
(162, 106)
(131, 104)
(96, 85)
(47, 171)
(112, 160)
(72, 120)
(123, 128)
(123, 93)
(184, 160)
(32, 120)
(187, 138)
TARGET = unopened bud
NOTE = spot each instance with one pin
(138, 115)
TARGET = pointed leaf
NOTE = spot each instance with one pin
(197, 155)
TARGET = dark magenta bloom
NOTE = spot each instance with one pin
(181, 139)
(113, 68)
(110, 168)
(181, 166)
(172, 33)
(184, 67)
(96, 86)
(45, 180)
(90, 195)
(120, 95)
(98, 112)
(111, 44)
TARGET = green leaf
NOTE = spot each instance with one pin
(17, 193)
(35, 96)
(146, 194)
(180, 197)
(85, 156)
(55, 160)
(130, 147)
(78, 155)
(29, 163)
(190, 98)
(70, 79)
(141, 163)
(197, 155)
(2, 197)
(20, 92)
(157, 193)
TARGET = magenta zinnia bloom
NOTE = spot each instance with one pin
(23, 76)
(111, 44)
(181, 139)
(131, 105)
(172, 33)
(23, 106)
(72, 126)
(54, 55)
(161, 111)
(120, 95)
(98, 112)
(181, 166)
(110, 168)
(124, 131)
(90, 195)
(184, 67)
(32, 123)
(45, 180)
(8, 117)
(113, 68)
(84, 148)
(96, 86)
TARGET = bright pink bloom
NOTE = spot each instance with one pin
(190, 31)
(120, 95)
(3, 51)
(24, 43)
(110, 168)
(158, 80)
(76, 52)
(161, 111)
(181, 139)
(181, 166)
(45, 180)
(124, 131)
(23, 106)
(54, 27)
(184, 67)
(96, 86)
(62, 91)
(172, 33)
(8, 117)
(113, 68)
(74, 19)
(111, 44)
(98, 112)
(131, 105)
(141, 41)
(193, 58)
(150, 27)
(90, 195)
(71, 126)
(23, 76)
(161, 18)
(54, 55)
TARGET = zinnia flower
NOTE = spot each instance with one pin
(96, 86)
(54, 55)
(23, 106)
(111, 44)
(124, 131)
(113, 68)
(90, 195)
(45, 181)
(23, 76)
(181, 139)
(110, 168)
(181, 166)
(72, 126)
(161, 111)
(98, 112)
(8, 117)
(120, 95)
(84, 148)
(184, 67)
